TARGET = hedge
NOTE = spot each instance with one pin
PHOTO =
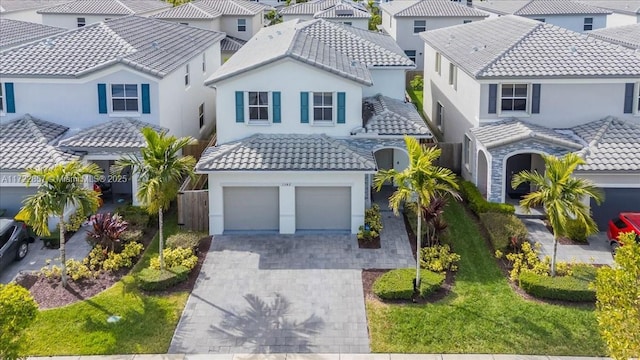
(153, 280)
(478, 204)
(567, 288)
(398, 284)
(501, 228)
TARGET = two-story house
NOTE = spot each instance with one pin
(623, 12)
(342, 11)
(404, 20)
(568, 14)
(26, 10)
(511, 88)
(79, 13)
(309, 108)
(106, 81)
(625, 35)
(16, 32)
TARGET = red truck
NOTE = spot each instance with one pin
(625, 222)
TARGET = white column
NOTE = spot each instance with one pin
(134, 189)
(287, 209)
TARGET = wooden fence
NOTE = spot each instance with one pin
(196, 149)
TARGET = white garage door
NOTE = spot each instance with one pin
(251, 208)
(323, 208)
(11, 198)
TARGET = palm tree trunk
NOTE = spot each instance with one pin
(553, 258)
(63, 253)
(161, 242)
(418, 246)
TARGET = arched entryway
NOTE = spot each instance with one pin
(482, 173)
(516, 163)
(388, 158)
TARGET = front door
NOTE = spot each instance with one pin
(516, 164)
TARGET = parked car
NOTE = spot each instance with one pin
(625, 222)
(14, 241)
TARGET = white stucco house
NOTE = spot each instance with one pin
(311, 110)
(568, 14)
(346, 12)
(511, 88)
(26, 10)
(404, 20)
(623, 12)
(79, 13)
(16, 32)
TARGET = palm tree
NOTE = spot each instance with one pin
(160, 169)
(59, 187)
(561, 195)
(421, 181)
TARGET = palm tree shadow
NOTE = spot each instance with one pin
(267, 327)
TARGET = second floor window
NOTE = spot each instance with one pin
(124, 97)
(588, 24)
(419, 26)
(242, 25)
(81, 21)
(514, 97)
(258, 106)
(411, 54)
(323, 106)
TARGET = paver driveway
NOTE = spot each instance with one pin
(278, 293)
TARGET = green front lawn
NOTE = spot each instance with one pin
(482, 314)
(146, 326)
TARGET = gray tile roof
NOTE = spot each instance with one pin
(209, 9)
(152, 46)
(539, 7)
(627, 35)
(512, 46)
(231, 43)
(430, 8)
(386, 116)
(120, 133)
(343, 11)
(308, 8)
(7, 6)
(106, 7)
(13, 32)
(631, 7)
(286, 152)
(189, 11)
(613, 145)
(513, 130)
(27, 143)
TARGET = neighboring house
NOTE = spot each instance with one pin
(623, 12)
(404, 20)
(127, 67)
(239, 19)
(342, 11)
(25, 10)
(16, 32)
(310, 107)
(626, 35)
(79, 13)
(512, 88)
(568, 14)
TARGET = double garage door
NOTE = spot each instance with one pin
(258, 208)
(616, 200)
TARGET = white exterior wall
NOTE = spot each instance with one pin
(285, 76)
(23, 15)
(287, 182)
(611, 180)
(618, 19)
(389, 23)
(388, 82)
(229, 24)
(70, 21)
(209, 24)
(573, 22)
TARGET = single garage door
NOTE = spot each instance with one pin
(323, 208)
(616, 200)
(11, 198)
(251, 208)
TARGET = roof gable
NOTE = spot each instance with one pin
(514, 130)
(122, 133)
(386, 116)
(430, 8)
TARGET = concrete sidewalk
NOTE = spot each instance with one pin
(321, 357)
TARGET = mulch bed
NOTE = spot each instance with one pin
(369, 276)
(369, 244)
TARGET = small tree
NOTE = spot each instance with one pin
(17, 312)
(273, 17)
(375, 19)
(417, 83)
(618, 301)
(106, 230)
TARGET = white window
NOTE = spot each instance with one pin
(514, 97)
(439, 116)
(201, 115)
(187, 76)
(453, 76)
(438, 63)
(124, 97)
(419, 26)
(258, 106)
(540, 19)
(322, 107)
(466, 151)
(204, 63)
(242, 25)
(411, 54)
(81, 22)
(588, 24)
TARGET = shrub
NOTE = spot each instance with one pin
(366, 234)
(17, 312)
(478, 204)
(76, 270)
(576, 231)
(136, 216)
(185, 240)
(153, 279)
(417, 83)
(567, 288)
(124, 259)
(503, 229)
(175, 257)
(528, 259)
(373, 218)
(398, 284)
(95, 258)
(439, 258)
(130, 236)
(76, 220)
(106, 230)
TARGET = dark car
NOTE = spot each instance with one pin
(625, 222)
(14, 241)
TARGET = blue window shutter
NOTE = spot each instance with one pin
(276, 107)
(146, 105)
(493, 98)
(239, 106)
(304, 107)
(628, 98)
(10, 98)
(341, 108)
(535, 99)
(102, 98)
